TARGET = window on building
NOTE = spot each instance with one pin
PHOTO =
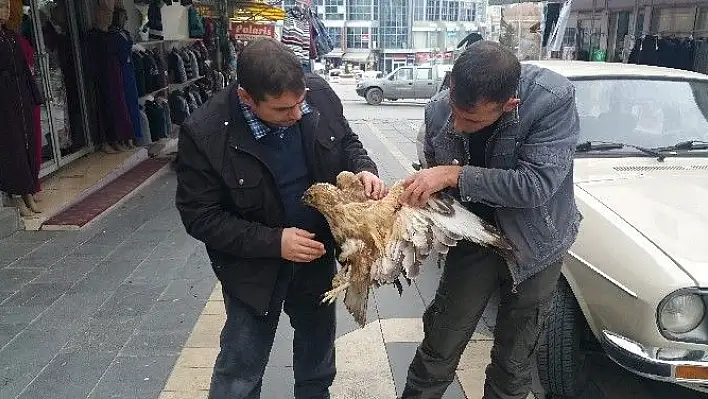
(419, 10)
(335, 33)
(359, 10)
(433, 10)
(404, 74)
(393, 24)
(677, 20)
(424, 74)
(358, 37)
(333, 10)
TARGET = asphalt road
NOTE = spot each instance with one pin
(609, 381)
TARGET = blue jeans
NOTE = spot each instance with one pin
(247, 339)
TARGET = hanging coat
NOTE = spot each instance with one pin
(19, 169)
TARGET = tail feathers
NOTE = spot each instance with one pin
(357, 300)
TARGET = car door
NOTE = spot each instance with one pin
(424, 84)
(402, 84)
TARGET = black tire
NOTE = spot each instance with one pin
(374, 96)
(562, 348)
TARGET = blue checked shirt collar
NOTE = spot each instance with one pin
(260, 129)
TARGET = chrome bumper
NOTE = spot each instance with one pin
(687, 368)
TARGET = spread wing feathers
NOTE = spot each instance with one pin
(418, 232)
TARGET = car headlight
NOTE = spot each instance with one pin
(681, 313)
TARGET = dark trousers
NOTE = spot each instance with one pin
(247, 339)
(472, 274)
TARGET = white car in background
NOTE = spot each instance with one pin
(635, 283)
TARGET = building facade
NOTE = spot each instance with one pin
(386, 34)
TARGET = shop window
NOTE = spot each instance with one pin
(335, 33)
(677, 20)
(359, 10)
(358, 37)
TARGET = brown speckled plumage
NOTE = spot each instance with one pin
(380, 240)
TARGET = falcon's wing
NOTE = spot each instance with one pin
(417, 232)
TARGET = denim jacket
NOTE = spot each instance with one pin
(529, 174)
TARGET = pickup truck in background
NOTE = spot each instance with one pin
(405, 83)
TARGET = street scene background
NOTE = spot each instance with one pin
(128, 307)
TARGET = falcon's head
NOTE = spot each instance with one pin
(321, 196)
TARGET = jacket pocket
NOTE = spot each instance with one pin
(246, 191)
(330, 151)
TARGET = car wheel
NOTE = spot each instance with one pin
(563, 346)
(374, 96)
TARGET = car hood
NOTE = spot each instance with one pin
(370, 82)
(669, 209)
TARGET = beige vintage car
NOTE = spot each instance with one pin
(635, 283)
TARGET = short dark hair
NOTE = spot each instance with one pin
(485, 71)
(266, 67)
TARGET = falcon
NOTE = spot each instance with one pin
(382, 240)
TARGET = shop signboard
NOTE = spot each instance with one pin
(249, 30)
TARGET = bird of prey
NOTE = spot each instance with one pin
(380, 240)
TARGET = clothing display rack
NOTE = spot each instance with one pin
(305, 34)
(672, 49)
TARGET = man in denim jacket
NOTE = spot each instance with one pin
(501, 140)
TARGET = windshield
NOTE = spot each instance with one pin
(642, 112)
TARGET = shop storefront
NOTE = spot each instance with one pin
(615, 31)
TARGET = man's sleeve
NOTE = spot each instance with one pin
(545, 159)
(200, 202)
(428, 148)
(357, 158)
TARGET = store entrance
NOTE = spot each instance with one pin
(51, 28)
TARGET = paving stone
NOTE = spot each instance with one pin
(184, 395)
(12, 279)
(23, 358)
(363, 370)
(206, 332)
(185, 379)
(131, 300)
(390, 304)
(278, 383)
(134, 377)
(400, 355)
(199, 288)
(175, 315)
(69, 269)
(197, 357)
(38, 294)
(11, 252)
(69, 375)
(153, 343)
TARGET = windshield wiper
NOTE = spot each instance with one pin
(607, 145)
(685, 145)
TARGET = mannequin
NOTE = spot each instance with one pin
(121, 48)
(19, 164)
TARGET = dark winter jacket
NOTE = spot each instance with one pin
(226, 193)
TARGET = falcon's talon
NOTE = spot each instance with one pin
(332, 295)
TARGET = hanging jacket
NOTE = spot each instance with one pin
(155, 20)
(323, 42)
(177, 68)
(179, 108)
(196, 24)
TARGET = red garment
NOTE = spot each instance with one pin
(36, 111)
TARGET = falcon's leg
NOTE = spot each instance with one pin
(332, 295)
